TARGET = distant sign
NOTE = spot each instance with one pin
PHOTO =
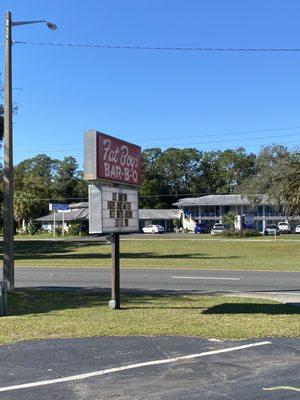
(110, 159)
(58, 207)
(113, 210)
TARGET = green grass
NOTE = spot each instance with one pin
(53, 314)
(165, 253)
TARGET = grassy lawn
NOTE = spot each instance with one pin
(52, 314)
(165, 252)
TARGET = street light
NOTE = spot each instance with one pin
(8, 217)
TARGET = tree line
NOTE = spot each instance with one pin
(167, 176)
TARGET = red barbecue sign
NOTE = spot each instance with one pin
(110, 159)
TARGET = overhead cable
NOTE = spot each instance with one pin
(162, 48)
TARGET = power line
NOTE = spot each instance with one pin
(183, 144)
(160, 48)
(227, 133)
(191, 136)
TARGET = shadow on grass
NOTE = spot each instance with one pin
(71, 250)
(248, 308)
(49, 299)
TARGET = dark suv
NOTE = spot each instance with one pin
(201, 228)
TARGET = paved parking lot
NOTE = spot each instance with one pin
(150, 368)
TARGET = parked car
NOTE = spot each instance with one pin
(284, 227)
(153, 229)
(271, 230)
(297, 229)
(201, 228)
(217, 229)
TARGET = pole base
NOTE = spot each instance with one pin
(113, 304)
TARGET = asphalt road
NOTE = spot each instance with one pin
(270, 284)
(154, 368)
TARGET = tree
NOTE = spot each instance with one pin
(276, 176)
(33, 186)
(292, 195)
(26, 207)
(223, 171)
(180, 169)
(68, 180)
(153, 187)
(229, 220)
(1, 122)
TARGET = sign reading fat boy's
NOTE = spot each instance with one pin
(111, 159)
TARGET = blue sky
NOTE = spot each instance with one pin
(153, 98)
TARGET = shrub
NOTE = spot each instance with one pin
(250, 233)
(33, 227)
(244, 234)
(77, 228)
(230, 233)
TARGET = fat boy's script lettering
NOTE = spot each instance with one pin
(120, 162)
(119, 209)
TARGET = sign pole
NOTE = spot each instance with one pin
(115, 271)
(54, 224)
(63, 224)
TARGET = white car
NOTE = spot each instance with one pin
(153, 229)
(284, 227)
(297, 229)
(271, 230)
(217, 229)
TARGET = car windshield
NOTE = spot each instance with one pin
(271, 227)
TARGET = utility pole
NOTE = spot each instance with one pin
(8, 199)
(8, 218)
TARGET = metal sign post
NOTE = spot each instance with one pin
(115, 271)
(58, 207)
(54, 224)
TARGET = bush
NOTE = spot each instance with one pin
(33, 227)
(244, 234)
(58, 231)
(250, 233)
(77, 228)
(21, 231)
(230, 233)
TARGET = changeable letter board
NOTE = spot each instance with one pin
(113, 209)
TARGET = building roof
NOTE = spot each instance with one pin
(78, 214)
(83, 204)
(217, 200)
(159, 214)
(83, 213)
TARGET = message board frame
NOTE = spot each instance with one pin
(113, 209)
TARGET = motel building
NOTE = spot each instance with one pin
(210, 209)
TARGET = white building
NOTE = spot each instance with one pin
(211, 208)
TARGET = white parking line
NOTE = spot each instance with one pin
(127, 367)
(283, 388)
(206, 277)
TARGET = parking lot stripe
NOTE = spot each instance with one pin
(283, 388)
(206, 277)
(128, 367)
